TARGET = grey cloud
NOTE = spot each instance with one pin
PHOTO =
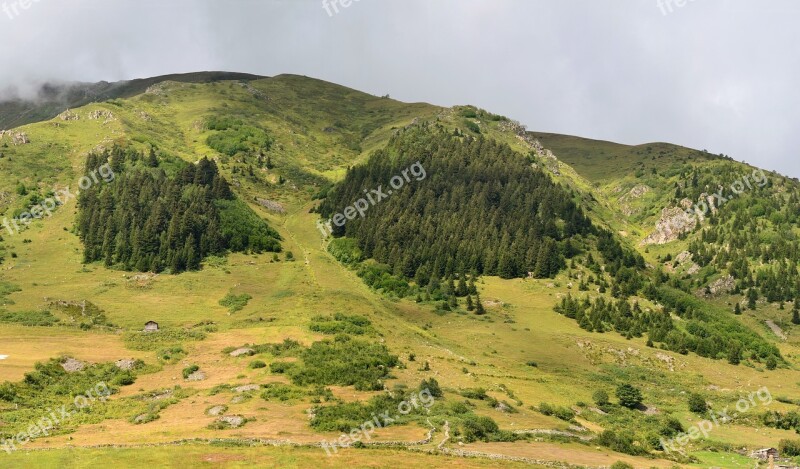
(713, 74)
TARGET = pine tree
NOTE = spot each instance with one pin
(479, 306)
(152, 161)
(461, 290)
(752, 297)
(737, 309)
(470, 305)
(795, 316)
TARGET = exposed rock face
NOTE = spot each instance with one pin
(196, 376)
(125, 364)
(720, 286)
(674, 221)
(101, 114)
(242, 351)
(235, 421)
(72, 365)
(271, 205)
(635, 193)
(17, 138)
(502, 407)
(217, 410)
(638, 191)
(683, 257)
(68, 115)
(547, 156)
(247, 387)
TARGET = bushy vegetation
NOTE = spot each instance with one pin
(282, 392)
(343, 417)
(232, 136)
(563, 413)
(189, 370)
(341, 323)
(790, 448)
(344, 361)
(235, 302)
(49, 385)
(256, 364)
(29, 318)
(168, 338)
(146, 221)
(697, 403)
(629, 396)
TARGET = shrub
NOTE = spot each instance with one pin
(621, 465)
(189, 370)
(474, 393)
(235, 303)
(256, 364)
(478, 427)
(629, 396)
(281, 392)
(789, 448)
(772, 363)
(341, 324)
(697, 404)
(29, 318)
(600, 397)
(280, 368)
(344, 361)
(432, 386)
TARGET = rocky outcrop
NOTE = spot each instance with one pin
(217, 410)
(720, 286)
(17, 137)
(71, 365)
(635, 193)
(673, 222)
(247, 351)
(98, 114)
(247, 388)
(68, 115)
(548, 158)
(125, 364)
(196, 376)
(271, 205)
(234, 421)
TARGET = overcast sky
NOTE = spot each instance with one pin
(721, 75)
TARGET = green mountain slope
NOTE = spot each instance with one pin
(271, 337)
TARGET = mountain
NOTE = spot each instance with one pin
(54, 98)
(314, 257)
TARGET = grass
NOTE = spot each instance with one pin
(317, 130)
(232, 457)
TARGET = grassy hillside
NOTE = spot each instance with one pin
(532, 372)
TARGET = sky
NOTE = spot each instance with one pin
(720, 75)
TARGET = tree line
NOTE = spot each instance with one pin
(149, 220)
